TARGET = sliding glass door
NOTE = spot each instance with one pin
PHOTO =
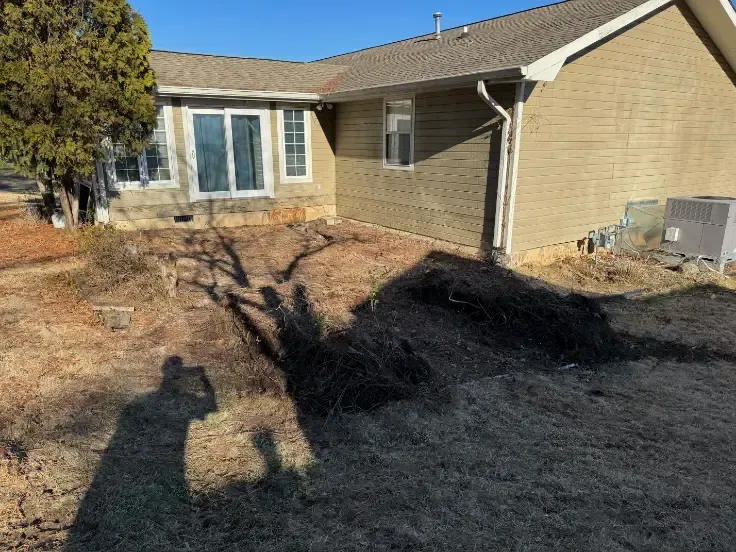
(230, 153)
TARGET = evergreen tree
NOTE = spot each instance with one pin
(72, 73)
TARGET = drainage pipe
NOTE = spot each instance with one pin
(503, 162)
(514, 173)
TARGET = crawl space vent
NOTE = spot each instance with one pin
(184, 218)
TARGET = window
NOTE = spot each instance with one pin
(295, 153)
(157, 160)
(399, 133)
(154, 168)
(229, 152)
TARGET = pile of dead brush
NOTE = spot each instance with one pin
(346, 370)
(115, 264)
(565, 328)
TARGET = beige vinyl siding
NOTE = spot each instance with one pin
(648, 114)
(451, 192)
(147, 204)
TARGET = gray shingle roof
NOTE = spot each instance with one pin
(511, 41)
(514, 40)
(233, 73)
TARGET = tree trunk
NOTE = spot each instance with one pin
(47, 194)
(75, 203)
(66, 192)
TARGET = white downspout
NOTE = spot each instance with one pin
(515, 146)
(503, 162)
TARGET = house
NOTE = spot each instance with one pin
(521, 133)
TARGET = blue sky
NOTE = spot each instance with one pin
(287, 29)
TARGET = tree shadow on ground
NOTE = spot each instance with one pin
(392, 351)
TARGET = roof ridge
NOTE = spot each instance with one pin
(445, 30)
(228, 56)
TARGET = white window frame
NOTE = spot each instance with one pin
(410, 166)
(266, 155)
(307, 144)
(143, 183)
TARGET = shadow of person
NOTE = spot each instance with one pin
(139, 497)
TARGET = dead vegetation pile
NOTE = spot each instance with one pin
(360, 368)
(115, 264)
(329, 371)
(509, 313)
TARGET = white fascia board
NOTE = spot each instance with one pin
(546, 68)
(718, 18)
(186, 91)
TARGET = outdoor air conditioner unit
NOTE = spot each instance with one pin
(701, 226)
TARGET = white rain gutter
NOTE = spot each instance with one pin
(503, 161)
(515, 147)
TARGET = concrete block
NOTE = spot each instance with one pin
(113, 316)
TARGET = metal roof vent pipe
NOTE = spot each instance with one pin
(437, 16)
(465, 32)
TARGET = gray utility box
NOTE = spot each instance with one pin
(702, 226)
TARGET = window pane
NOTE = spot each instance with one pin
(299, 138)
(398, 149)
(164, 174)
(290, 160)
(290, 171)
(301, 160)
(299, 127)
(288, 127)
(301, 148)
(301, 171)
(211, 152)
(246, 133)
(289, 138)
(398, 116)
(298, 115)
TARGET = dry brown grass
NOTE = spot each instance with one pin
(612, 274)
(105, 444)
(115, 264)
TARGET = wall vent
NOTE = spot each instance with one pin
(184, 218)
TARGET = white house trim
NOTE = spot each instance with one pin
(282, 146)
(188, 92)
(543, 68)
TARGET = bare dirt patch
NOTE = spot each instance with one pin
(242, 412)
